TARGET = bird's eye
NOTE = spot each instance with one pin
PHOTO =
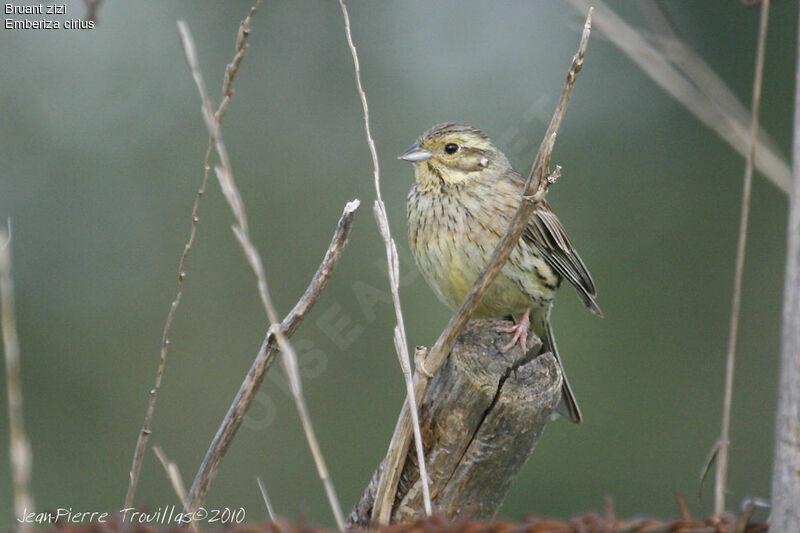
(451, 148)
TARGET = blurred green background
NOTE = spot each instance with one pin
(102, 142)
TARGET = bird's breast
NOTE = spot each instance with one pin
(452, 234)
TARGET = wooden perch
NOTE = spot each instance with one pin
(480, 419)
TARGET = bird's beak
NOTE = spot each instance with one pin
(415, 153)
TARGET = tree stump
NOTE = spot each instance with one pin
(481, 419)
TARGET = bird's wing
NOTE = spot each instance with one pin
(547, 234)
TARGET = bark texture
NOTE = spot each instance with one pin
(785, 515)
(480, 420)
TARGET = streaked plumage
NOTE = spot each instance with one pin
(460, 206)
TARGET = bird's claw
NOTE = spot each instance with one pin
(520, 333)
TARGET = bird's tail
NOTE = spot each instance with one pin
(567, 406)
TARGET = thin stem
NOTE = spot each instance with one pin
(400, 339)
(265, 497)
(241, 231)
(20, 453)
(173, 474)
(724, 439)
(227, 91)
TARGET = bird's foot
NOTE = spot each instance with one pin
(520, 332)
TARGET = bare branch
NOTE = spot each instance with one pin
(536, 186)
(241, 230)
(666, 39)
(698, 91)
(724, 439)
(19, 446)
(400, 339)
(266, 355)
(227, 91)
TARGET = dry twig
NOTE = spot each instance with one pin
(175, 479)
(19, 446)
(227, 92)
(666, 39)
(722, 457)
(264, 358)
(265, 497)
(536, 186)
(400, 339)
(241, 230)
(173, 474)
(697, 91)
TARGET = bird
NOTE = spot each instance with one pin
(461, 204)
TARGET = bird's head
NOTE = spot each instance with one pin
(451, 154)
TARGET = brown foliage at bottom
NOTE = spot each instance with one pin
(438, 523)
